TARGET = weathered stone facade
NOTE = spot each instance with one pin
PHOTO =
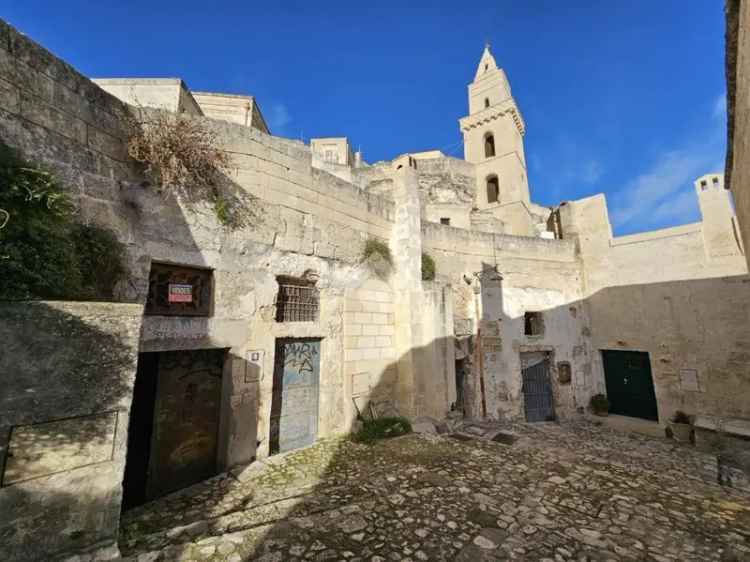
(387, 338)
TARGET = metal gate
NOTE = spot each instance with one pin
(537, 392)
(294, 404)
(186, 419)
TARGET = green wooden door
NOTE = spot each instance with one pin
(630, 386)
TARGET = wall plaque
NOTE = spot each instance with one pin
(689, 380)
(47, 448)
(254, 367)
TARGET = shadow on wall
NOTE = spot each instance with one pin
(66, 372)
(697, 334)
(275, 507)
(325, 500)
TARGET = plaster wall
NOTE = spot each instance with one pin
(170, 94)
(537, 275)
(239, 109)
(679, 294)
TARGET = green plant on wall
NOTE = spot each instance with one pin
(44, 253)
(377, 248)
(428, 267)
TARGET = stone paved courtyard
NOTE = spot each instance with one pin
(559, 492)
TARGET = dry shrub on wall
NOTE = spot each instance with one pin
(180, 156)
(179, 153)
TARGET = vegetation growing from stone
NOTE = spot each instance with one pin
(44, 253)
(599, 404)
(180, 155)
(428, 267)
(375, 247)
(382, 428)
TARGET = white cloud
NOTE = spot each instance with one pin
(720, 107)
(278, 118)
(591, 171)
(663, 193)
(684, 204)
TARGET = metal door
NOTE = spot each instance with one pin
(537, 392)
(294, 405)
(186, 419)
(630, 386)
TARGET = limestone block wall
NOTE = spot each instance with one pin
(738, 112)
(695, 328)
(67, 373)
(446, 180)
(370, 360)
(435, 354)
(161, 93)
(300, 219)
(535, 275)
(674, 294)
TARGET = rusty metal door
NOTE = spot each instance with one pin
(537, 392)
(294, 404)
(186, 419)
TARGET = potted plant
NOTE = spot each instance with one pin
(599, 405)
(682, 429)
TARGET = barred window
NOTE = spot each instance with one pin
(175, 290)
(297, 300)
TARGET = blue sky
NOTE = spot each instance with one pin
(624, 97)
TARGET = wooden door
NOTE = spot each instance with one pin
(186, 419)
(630, 386)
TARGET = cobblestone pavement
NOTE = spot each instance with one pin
(559, 492)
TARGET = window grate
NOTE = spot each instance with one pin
(297, 302)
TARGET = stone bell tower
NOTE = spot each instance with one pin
(493, 141)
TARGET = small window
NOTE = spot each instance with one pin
(704, 185)
(486, 66)
(533, 324)
(297, 300)
(445, 220)
(176, 290)
(486, 102)
(489, 146)
(564, 372)
(715, 180)
(493, 189)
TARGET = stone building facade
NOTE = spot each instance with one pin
(254, 340)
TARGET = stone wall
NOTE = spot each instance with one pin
(369, 349)
(67, 373)
(738, 111)
(674, 294)
(297, 220)
(534, 275)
